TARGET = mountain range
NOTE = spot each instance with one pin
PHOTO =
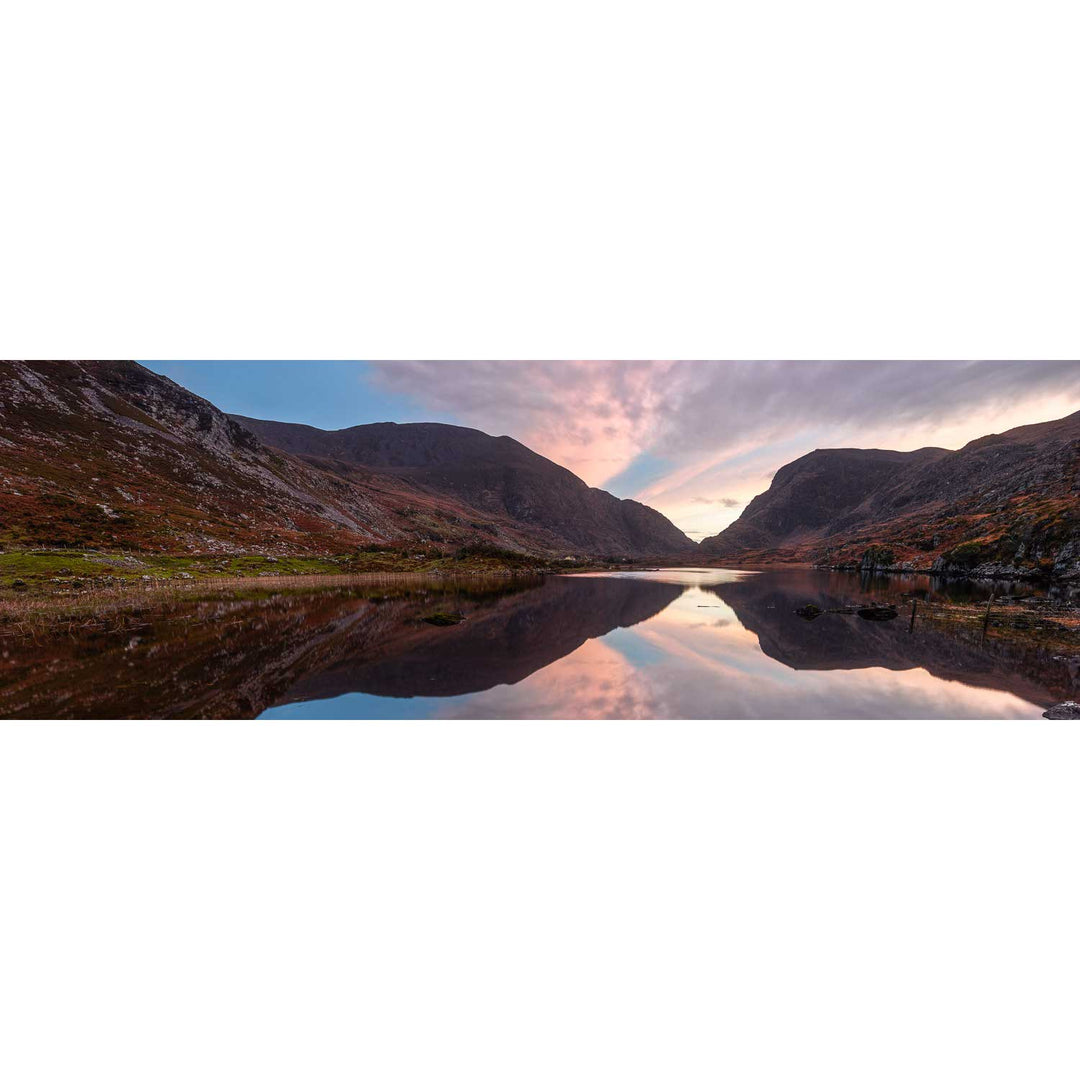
(108, 453)
(1003, 505)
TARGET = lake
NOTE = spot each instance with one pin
(690, 643)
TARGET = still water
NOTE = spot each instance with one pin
(675, 643)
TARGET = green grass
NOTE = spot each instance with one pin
(40, 569)
(33, 564)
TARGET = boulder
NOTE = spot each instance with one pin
(1067, 710)
(1067, 563)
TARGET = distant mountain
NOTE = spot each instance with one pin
(497, 477)
(108, 453)
(1005, 504)
(808, 497)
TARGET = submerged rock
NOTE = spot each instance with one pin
(878, 614)
(444, 618)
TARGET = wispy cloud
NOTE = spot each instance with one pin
(716, 502)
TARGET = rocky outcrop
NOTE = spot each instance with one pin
(1067, 710)
(1067, 561)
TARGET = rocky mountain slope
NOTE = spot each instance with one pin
(109, 454)
(497, 477)
(1003, 505)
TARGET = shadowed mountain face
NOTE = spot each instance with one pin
(1002, 504)
(109, 454)
(811, 496)
(495, 476)
(235, 656)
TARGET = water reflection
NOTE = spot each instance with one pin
(673, 643)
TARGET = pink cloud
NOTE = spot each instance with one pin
(593, 417)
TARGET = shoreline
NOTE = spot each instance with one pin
(64, 571)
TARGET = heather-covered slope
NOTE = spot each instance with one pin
(496, 476)
(1005, 504)
(111, 455)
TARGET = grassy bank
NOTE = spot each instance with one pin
(71, 570)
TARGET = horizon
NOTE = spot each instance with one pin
(695, 440)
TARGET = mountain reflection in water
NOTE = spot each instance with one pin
(672, 643)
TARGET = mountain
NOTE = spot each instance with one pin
(807, 496)
(1003, 505)
(110, 454)
(497, 477)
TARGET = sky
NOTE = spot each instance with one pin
(694, 439)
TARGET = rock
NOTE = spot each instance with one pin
(1067, 563)
(984, 570)
(444, 618)
(1067, 710)
(876, 557)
